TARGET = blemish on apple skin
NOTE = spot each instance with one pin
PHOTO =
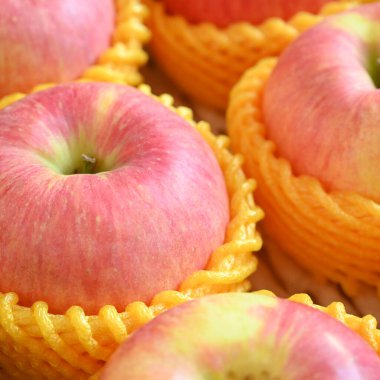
(105, 100)
(103, 175)
(98, 219)
(144, 194)
(267, 304)
(215, 359)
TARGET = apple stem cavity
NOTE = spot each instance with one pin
(376, 74)
(374, 67)
(88, 164)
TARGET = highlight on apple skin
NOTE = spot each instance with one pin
(106, 197)
(50, 40)
(225, 12)
(243, 336)
(322, 103)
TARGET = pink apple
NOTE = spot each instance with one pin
(243, 336)
(322, 103)
(50, 40)
(225, 12)
(106, 197)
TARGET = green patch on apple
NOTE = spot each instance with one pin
(367, 30)
(243, 336)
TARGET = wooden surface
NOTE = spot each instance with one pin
(276, 273)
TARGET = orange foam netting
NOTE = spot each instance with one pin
(37, 345)
(206, 61)
(365, 326)
(334, 235)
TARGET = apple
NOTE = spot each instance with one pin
(321, 104)
(50, 40)
(243, 336)
(225, 12)
(106, 197)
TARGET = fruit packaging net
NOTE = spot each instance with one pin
(35, 344)
(327, 244)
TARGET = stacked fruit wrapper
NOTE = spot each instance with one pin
(155, 228)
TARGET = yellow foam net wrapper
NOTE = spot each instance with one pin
(334, 235)
(206, 61)
(120, 63)
(37, 345)
(366, 326)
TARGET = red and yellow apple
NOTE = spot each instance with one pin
(243, 336)
(106, 197)
(50, 40)
(321, 104)
(225, 12)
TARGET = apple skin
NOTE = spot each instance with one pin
(243, 336)
(322, 108)
(152, 214)
(225, 12)
(50, 40)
